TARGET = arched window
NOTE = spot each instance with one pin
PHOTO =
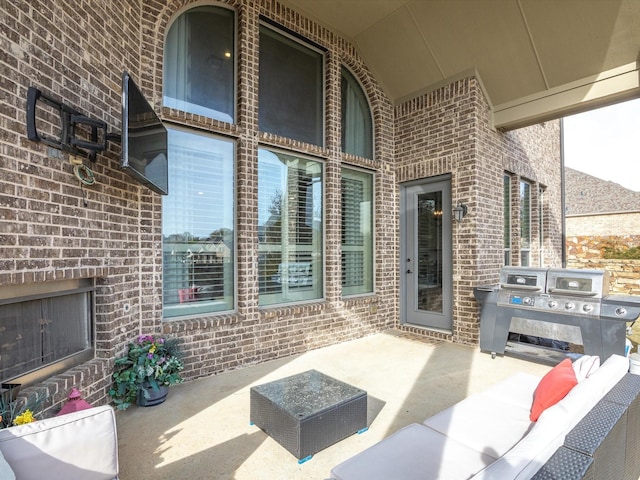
(357, 128)
(199, 73)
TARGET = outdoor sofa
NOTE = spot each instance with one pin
(592, 432)
(76, 446)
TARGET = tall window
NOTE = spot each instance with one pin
(357, 127)
(291, 89)
(525, 224)
(506, 201)
(541, 226)
(198, 225)
(290, 252)
(357, 232)
(199, 63)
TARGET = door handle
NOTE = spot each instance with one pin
(409, 271)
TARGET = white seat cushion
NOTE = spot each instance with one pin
(584, 396)
(549, 432)
(518, 389)
(533, 451)
(483, 423)
(77, 445)
(5, 470)
(415, 452)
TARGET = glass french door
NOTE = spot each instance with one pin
(426, 266)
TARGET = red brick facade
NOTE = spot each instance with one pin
(78, 53)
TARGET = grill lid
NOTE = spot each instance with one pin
(523, 278)
(583, 283)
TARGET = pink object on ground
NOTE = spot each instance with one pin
(74, 404)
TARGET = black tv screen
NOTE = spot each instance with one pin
(144, 140)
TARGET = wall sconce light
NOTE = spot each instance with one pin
(459, 212)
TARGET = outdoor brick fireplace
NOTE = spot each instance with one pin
(45, 328)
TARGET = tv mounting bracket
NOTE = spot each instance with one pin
(72, 125)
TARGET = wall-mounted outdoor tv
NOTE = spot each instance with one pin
(144, 140)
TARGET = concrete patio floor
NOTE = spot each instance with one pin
(203, 432)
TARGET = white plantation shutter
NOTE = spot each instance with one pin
(506, 201)
(357, 232)
(289, 228)
(525, 223)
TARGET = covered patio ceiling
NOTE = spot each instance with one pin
(536, 59)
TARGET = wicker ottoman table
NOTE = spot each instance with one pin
(308, 411)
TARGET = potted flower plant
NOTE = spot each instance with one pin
(151, 365)
(18, 411)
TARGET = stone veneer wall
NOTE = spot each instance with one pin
(585, 252)
(77, 52)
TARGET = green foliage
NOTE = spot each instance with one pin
(156, 361)
(12, 406)
(618, 253)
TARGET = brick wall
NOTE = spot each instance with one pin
(48, 233)
(77, 52)
(602, 225)
(448, 131)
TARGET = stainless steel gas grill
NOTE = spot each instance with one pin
(554, 308)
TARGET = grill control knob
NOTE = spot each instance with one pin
(587, 308)
(553, 304)
(621, 311)
(569, 305)
(527, 300)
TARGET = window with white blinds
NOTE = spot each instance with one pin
(198, 225)
(290, 252)
(199, 66)
(357, 232)
(357, 126)
(506, 203)
(541, 231)
(525, 224)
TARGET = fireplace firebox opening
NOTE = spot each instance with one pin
(45, 329)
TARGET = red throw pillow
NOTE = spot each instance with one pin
(553, 387)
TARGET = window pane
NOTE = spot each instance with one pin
(290, 95)
(197, 225)
(357, 232)
(357, 130)
(199, 65)
(289, 228)
(525, 222)
(506, 200)
(541, 227)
